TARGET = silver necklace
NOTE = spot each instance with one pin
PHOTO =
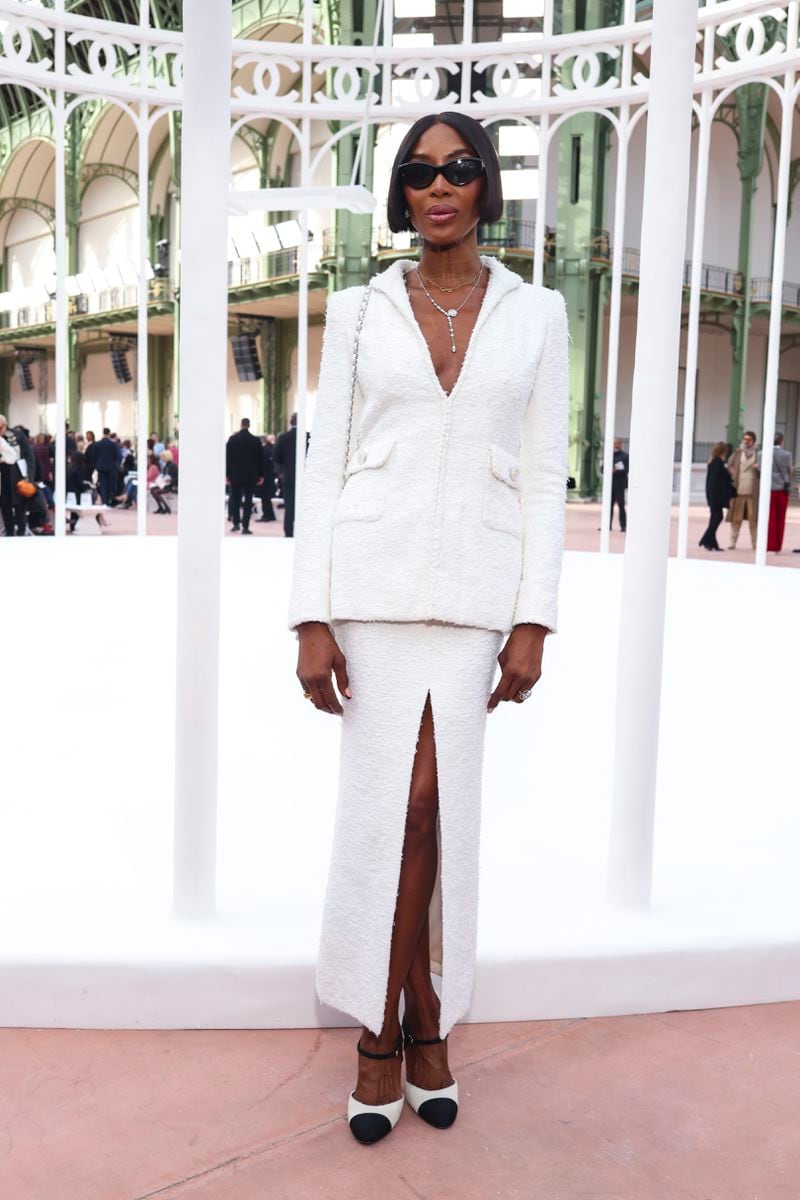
(441, 286)
(450, 312)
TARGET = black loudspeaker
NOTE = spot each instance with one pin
(245, 357)
(24, 375)
(119, 361)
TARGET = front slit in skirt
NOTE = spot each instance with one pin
(392, 667)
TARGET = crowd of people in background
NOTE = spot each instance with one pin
(104, 469)
(101, 474)
(101, 470)
(733, 483)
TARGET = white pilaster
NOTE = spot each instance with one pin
(142, 360)
(775, 313)
(666, 187)
(62, 333)
(205, 175)
(615, 298)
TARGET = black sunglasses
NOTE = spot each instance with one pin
(459, 171)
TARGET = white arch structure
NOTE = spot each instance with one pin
(330, 82)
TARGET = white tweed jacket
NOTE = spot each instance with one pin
(453, 504)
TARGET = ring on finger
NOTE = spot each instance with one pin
(306, 695)
(523, 694)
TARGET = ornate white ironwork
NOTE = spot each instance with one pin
(103, 56)
(586, 68)
(426, 80)
(18, 43)
(266, 80)
(549, 73)
(750, 43)
(346, 80)
(507, 82)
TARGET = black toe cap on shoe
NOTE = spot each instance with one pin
(369, 1127)
(440, 1113)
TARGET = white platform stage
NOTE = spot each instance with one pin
(87, 938)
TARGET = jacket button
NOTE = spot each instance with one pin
(361, 456)
(514, 472)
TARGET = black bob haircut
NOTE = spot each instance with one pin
(475, 136)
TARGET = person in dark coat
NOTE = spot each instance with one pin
(719, 493)
(105, 460)
(243, 470)
(268, 485)
(88, 450)
(285, 456)
(619, 484)
(21, 503)
(77, 483)
(9, 474)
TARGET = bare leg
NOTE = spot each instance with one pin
(426, 1066)
(379, 1082)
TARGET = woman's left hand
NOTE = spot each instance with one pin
(521, 664)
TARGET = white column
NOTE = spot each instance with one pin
(203, 347)
(142, 371)
(693, 324)
(666, 186)
(544, 153)
(62, 343)
(614, 310)
(302, 277)
(466, 42)
(775, 316)
(615, 301)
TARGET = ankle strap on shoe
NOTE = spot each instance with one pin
(410, 1040)
(396, 1053)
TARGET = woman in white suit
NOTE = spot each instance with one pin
(428, 549)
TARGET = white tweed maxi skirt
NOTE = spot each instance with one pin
(392, 666)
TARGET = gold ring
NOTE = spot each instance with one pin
(307, 695)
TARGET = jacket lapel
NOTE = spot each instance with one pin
(391, 283)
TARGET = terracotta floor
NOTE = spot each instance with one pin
(696, 1105)
(583, 533)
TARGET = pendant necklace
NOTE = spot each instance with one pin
(451, 312)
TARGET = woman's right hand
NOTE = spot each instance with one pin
(318, 658)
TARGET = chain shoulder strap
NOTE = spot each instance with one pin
(359, 322)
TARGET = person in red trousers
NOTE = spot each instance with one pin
(781, 487)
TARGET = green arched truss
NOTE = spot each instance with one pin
(10, 204)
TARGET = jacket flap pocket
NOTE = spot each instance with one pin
(504, 466)
(372, 454)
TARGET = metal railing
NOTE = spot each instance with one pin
(762, 292)
(244, 272)
(509, 233)
(724, 281)
(701, 451)
(88, 303)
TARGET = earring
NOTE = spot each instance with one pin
(406, 212)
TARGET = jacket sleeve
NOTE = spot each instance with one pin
(324, 468)
(544, 477)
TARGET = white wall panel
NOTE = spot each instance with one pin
(104, 402)
(109, 231)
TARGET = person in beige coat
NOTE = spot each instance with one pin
(744, 466)
(428, 548)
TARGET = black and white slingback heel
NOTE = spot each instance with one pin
(371, 1122)
(439, 1107)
